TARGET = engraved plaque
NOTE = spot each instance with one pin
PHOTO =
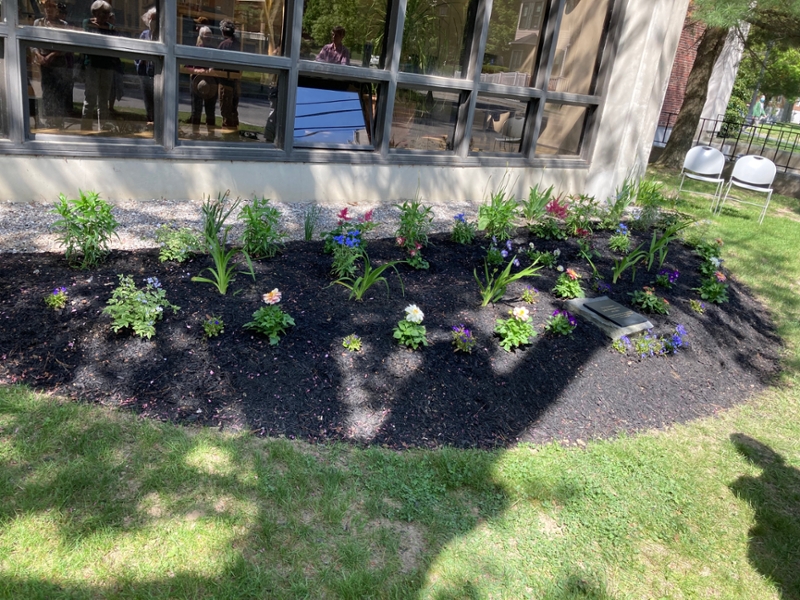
(615, 312)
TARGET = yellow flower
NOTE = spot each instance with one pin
(272, 297)
(520, 313)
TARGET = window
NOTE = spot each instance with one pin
(562, 128)
(433, 39)
(424, 119)
(345, 33)
(513, 42)
(498, 124)
(578, 47)
(125, 19)
(3, 107)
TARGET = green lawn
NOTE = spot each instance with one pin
(100, 504)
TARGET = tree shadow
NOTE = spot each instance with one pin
(774, 539)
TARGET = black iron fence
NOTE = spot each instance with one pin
(779, 142)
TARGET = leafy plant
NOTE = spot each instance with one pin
(568, 285)
(497, 217)
(412, 233)
(616, 206)
(697, 306)
(224, 270)
(213, 326)
(630, 261)
(358, 286)
(270, 320)
(346, 252)
(463, 230)
(137, 309)
(649, 302)
(648, 345)
(587, 251)
(463, 340)
(543, 257)
(582, 211)
(708, 250)
(352, 342)
(57, 299)
(410, 331)
(714, 289)
(85, 228)
(533, 209)
(494, 256)
(515, 331)
(622, 344)
(310, 218)
(660, 245)
(495, 285)
(666, 278)
(621, 240)
(363, 224)
(561, 322)
(530, 295)
(261, 237)
(177, 244)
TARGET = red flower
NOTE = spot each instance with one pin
(581, 232)
(343, 216)
(417, 245)
(555, 208)
(572, 274)
(412, 252)
(401, 241)
(367, 216)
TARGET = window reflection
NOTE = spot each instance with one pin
(498, 125)
(87, 94)
(562, 129)
(112, 17)
(205, 103)
(433, 37)
(333, 113)
(424, 120)
(578, 46)
(344, 33)
(513, 41)
(258, 24)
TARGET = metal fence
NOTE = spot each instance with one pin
(779, 142)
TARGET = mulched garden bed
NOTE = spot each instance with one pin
(568, 389)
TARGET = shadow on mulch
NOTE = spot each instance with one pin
(558, 388)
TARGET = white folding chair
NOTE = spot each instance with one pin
(511, 132)
(754, 173)
(704, 163)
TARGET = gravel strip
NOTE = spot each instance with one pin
(27, 227)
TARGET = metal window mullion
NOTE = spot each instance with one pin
(229, 58)
(393, 49)
(466, 109)
(287, 83)
(167, 80)
(86, 40)
(16, 77)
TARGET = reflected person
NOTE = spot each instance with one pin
(335, 52)
(98, 70)
(230, 85)
(146, 69)
(203, 87)
(56, 69)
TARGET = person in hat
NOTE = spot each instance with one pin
(146, 69)
(229, 86)
(335, 52)
(55, 67)
(98, 69)
(203, 87)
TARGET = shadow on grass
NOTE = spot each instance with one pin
(774, 539)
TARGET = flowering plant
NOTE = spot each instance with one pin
(557, 209)
(530, 295)
(347, 250)
(463, 339)
(620, 241)
(710, 266)
(364, 224)
(516, 330)
(543, 257)
(213, 326)
(463, 230)
(697, 306)
(568, 285)
(647, 300)
(561, 322)
(653, 345)
(137, 309)
(412, 234)
(352, 342)
(713, 288)
(494, 255)
(496, 285)
(58, 299)
(410, 331)
(666, 278)
(707, 249)
(270, 320)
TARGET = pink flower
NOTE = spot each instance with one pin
(342, 216)
(720, 276)
(272, 297)
(401, 241)
(367, 216)
(412, 252)
(417, 245)
(572, 274)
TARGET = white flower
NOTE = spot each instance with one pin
(531, 246)
(414, 314)
(715, 261)
(272, 297)
(556, 252)
(520, 313)
(560, 269)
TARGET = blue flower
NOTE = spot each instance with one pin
(508, 245)
(504, 253)
(622, 229)
(460, 217)
(680, 330)
(153, 281)
(516, 262)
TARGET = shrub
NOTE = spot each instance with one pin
(85, 228)
(261, 237)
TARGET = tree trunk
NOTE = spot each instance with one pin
(680, 140)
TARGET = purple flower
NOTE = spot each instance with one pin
(59, 290)
(680, 330)
(508, 245)
(622, 229)
(516, 262)
(460, 217)
(504, 253)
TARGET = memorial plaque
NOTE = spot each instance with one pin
(615, 312)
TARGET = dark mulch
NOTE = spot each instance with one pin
(558, 388)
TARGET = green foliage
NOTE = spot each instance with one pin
(310, 218)
(347, 250)
(619, 203)
(358, 286)
(530, 295)
(213, 326)
(542, 257)
(497, 217)
(582, 212)
(697, 306)
(57, 299)
(270, 321)
(568, 285)
(660, 245)
(410, 331)
(621, 240)
(261, 237)
(463, 231)
(215, 214)
(494, 286)
(631, 261)
(713, 289)
(515, 331)
(85, 228)
(649, 302)
(137, 309)
(346, 225)
(352, 342)
(548, 229)
(177, 244)
(412, 233)
(561, 322)
(533, 209)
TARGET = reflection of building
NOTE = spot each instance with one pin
(570, 99)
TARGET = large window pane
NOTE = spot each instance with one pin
(513, 41)
(562, 129)
(433, 37)
(498, 124)
(254, 26)
(226, 105)
(334, 113)
(126, 18)
(89, 94)
(348, 32)
(424, 120)
(578, 47)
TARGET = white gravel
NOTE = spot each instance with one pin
(27, 227)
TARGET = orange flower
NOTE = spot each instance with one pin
(572, 274)
(272, 297)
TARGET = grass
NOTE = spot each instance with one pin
(100, 504)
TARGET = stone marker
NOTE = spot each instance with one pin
(614, 319)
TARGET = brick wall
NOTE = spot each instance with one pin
(684, 59)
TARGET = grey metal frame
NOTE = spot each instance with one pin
(289, 67)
